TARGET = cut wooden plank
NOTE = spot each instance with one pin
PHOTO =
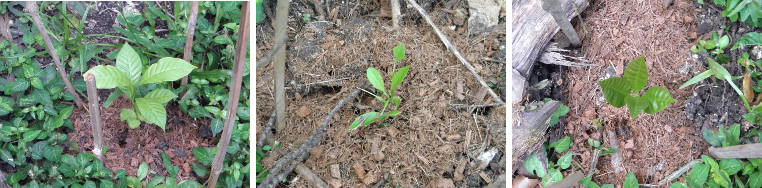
(533, 28)
(737, 152)
(530, 133)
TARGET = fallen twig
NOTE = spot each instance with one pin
(266, 131)
(278, 171)
(675, 174)
(31, 7)
(737, 152)
(309, 176)
(454, 50)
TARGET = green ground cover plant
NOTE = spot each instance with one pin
(748, 11)
(617, 91)
(388, 98)
(128, 75)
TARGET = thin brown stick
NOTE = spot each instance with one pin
(281, 21)
(454, 50)
(279, 46)
(309, 176)
(189, 37)
(266, 131)
(235, 93)
(278, 171)
(95, 117)
(31, 7)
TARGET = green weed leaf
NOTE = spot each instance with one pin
(216, 126)
(399, 52)
(636, 74)
(554, 175)
(561, 145)
(142, 171)
(699, 174)
(200, 170)
(698, 78)
(755, 180)
(748, 39)
(364, 119)
(167, 69)
(153, 111)
(375, 79)
(630, 181)
(712, 164)
(129, 63)
(205, 155)
(615, 90)
(129, 116)
(677, 185)
(107, 77)
(160, 95)
(534, 166)
(31, 135)
(398, 77)
(565, 161)
(731, 166)
(658, 99)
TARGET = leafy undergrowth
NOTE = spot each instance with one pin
(35, 110)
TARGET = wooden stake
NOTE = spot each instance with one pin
(281, 19)
(554, 8)
(189, 37)
(31, 7)
(95, 117)
(235, 93)
(395, 13)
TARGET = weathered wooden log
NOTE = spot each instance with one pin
(530, 133)
(518, 82)
(533, 28)
(737, 152)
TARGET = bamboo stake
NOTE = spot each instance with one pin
(31, 7)
(235, 93)
(454, 50)
(281, 19)
(189, 37)
(95, 116)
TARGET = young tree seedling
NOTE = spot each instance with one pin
(388, 98)
(128, 75)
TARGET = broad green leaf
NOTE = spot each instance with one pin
(36, 83)
(731, 166)
(155, 181)
(142, 171)
(630, 181)
(699, 174)
(397, 101)
(6, 156)
(107, 77)
(723, 42)
(554, 175)
(363, 120)
(755, 180)
(636, 105)
(204, 155)
(658, 99)
(704, 75)
(710, 137)
(52, 153)
(565, 161)
(31, 135)
(37, 148)
(733, 136)
(129, 116)
(678, 185)
(721, 177)
(216, 126)
(636, 74)
(153, 111)
(615, 90)
(129, 63)
(161, 95)
(375, 79)
(200, 170)
(167, 69)
(534, 166)
(19, 85)
(399, 52)
(561, 111)
(586, 182)
(561, 145)
(712, 164)
(398, 77)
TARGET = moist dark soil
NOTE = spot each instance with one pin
(424, 145)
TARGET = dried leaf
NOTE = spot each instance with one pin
(747, 91)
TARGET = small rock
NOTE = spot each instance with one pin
(484, 158)
(335, 171)
(757, 52)
(391, 131)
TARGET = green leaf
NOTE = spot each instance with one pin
(586, 182)
(699, 174)
(155, 181)
(142, 171)
(52, 153)
(128, 61)
(111, 97)
(678, 185)
(561, 145)
(565, 161)
(630, 181)
(398, 77)
(704, 75)
(731, 166)
(167, 69)
(36, 83)
(204, 155)
(615, 90)
(153, 111)
(31, 135)
(712, 164)
(107, 77)
(534, 166)
(216, 126)
(399, 52)
(375, 79)
(710, 137)
(721, 177)
(748, 39)
(723, 42)
(554, 175)
(636, 74)
(161, 95)
(6, 156)
(723, 74)
(364, 119)
(200, 170)
(636, 105)
(658, 99)
(129, 116)
(755, 180)
(19, 85)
